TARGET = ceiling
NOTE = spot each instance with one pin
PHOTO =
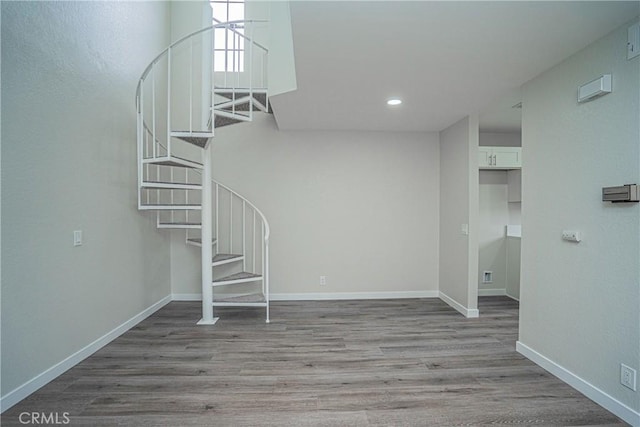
(446, 60)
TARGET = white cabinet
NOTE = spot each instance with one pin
(500, 157)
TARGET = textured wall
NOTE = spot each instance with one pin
(69, 72)
(579, 302)
(458, 206)
(358, 207)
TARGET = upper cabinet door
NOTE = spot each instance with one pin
(500, 158)
(484, 157)
(507, 157)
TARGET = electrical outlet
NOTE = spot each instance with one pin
(571, 235)
(323, 280)
(487, 277)
(628, 376)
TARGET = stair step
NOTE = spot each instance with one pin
(180, 225)
(197, 241)
(243, 106)
(170, 207)
(259, 94)
(242, 277)
(199, 139)
(220, 259)
(226, 121)
(173, 161)
(248, 300)
(240, 103)
(170, 185)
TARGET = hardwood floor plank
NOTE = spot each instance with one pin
(410, 362)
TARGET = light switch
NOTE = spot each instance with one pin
(464, 229)
(633, 41)
(77, 238)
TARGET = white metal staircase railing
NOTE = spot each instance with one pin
(181, 99)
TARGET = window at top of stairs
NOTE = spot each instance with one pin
(228, 47)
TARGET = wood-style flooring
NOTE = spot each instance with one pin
(413, 362)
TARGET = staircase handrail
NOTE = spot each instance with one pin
(227, 25)
(267, 229)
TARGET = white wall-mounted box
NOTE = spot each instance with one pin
(595, 88)
(620, 194)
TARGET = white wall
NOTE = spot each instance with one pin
(459, 205)
(279, 40)
(500, 139)
(513, 267)
(358, 207)
(579, 302)
(69, 73)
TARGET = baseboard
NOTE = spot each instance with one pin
(466, 312)
(512, 297)
(492, 292)
(592, 392)
(318, 296)
(21, 392)
(186, 297)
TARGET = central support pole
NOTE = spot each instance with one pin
(207, 240)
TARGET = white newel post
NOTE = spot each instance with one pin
(207, 236)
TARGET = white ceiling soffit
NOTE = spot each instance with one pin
(444, 59)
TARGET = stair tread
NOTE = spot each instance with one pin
(260, 97)
(173, 161)
(224, 257)
(243, 106)
(169, 183)
(198, 240)
(238, 276)
(180, 223)
(221, 121)
(249, 298)
(193, 137)
(195, 133)
(182, 205)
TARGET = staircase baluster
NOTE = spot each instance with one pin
(147, 175)
(212, 77)
(250, 71)
(169, 51)
(244, 220)
(265, 272)
(253, 242)
(171, 193)
(191, 85)
(226, 54)
(217, 214)
(153, 110)
(230, 222)
(186, 194)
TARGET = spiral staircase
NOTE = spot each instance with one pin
(209, 79)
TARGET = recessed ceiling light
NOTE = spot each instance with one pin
(394, 101)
